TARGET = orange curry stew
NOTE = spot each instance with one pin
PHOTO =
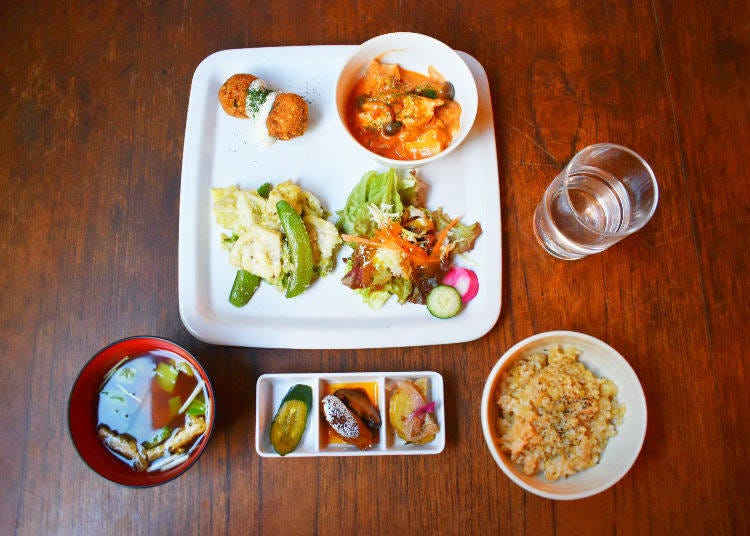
(401, 114)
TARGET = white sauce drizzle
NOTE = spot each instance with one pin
(255, 85)
(260, 120)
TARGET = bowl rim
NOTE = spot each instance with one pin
(489, 436)
(209, 430)
(392, 162)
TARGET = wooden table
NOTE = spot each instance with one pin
(93, 106)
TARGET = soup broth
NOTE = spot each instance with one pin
(152, 410)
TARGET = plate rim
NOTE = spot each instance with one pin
(198, 322)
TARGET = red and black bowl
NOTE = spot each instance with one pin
(83, 404)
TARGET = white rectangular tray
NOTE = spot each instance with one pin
(221, 150)
(271, 389)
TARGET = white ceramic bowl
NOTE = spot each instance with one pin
(414, 52)
(621, 451)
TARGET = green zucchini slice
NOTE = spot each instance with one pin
(290, 421)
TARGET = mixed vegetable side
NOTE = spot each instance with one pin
(279, 234)
(349, 414)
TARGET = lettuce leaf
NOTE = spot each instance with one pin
(461, 237)
(411, 190)
(380, 189)
(376, 297)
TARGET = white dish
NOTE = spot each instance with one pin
(417, 53)
(621, 450)
(221, 150)
(271, 389)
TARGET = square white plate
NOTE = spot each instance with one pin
(271, 389)
(221, 150)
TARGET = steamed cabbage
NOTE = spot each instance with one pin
(254, 239)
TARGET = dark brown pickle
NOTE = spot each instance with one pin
(345, 424)
(358, 402)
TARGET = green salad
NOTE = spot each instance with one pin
(400, 248)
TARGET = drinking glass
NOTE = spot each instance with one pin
(605, 193)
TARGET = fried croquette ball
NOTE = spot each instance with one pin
(288, 117)
(233, 93)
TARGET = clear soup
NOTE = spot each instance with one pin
(152, 410)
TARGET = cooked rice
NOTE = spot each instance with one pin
(555, 415)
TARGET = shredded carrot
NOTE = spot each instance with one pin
(360, 240)
(389, 236)
(441, 238)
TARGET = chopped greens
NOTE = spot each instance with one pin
(256, 96)
(197, 406)
(161, 436)
(428, 92)
(265, 189)
(126, 374)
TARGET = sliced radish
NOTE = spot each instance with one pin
(427, 408)
(465, 281)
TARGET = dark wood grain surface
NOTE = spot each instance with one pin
(92, 107)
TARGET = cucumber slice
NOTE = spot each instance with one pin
(290, 421)
(444, 301)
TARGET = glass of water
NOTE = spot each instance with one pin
(605, 193)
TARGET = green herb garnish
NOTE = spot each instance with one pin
(228, 241)
(428, 92)
(256, 96)
(126, 374)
